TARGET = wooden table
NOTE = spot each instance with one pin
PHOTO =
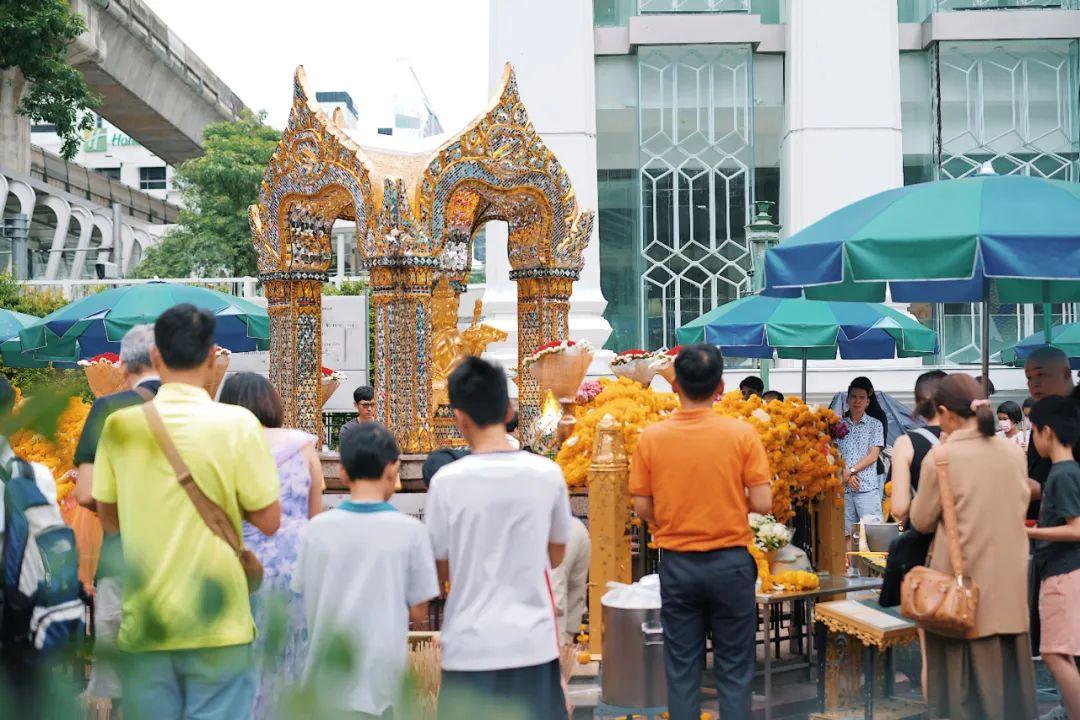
(831, 586)
(842, 623)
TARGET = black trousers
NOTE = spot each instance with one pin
(526, 693)
(714, 589)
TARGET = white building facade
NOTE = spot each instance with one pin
(675, 116)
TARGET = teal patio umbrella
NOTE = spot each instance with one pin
(1064, 337)
(795, 328)
(11, 323)
(1015, 237)
(96, 324)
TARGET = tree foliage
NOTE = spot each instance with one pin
(36, 36)
(213, 238)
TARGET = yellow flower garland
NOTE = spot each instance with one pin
(803, 458)
(57, 455)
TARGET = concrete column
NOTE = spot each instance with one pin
(85, 218)
(843, 139)
(62, 209)
(557, 85)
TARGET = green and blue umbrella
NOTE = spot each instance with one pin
(1014, 237)
(96, 324)
(1064, 337)
(11, 323)
(800, 329)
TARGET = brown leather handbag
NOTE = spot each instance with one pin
(215, 518)
(942, 603)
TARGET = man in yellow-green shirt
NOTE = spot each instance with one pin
(187, 628)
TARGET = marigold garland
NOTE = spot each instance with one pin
(57, 455)
(803, 458)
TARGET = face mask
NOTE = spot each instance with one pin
(1005, 425)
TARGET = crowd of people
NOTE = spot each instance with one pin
(230, 586)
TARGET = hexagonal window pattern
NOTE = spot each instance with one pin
(1012, 104)
(696, 155)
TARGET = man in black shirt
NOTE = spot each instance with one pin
(135, 358)
(1048, 373)
(364, 399)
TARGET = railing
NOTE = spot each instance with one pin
(246, 287)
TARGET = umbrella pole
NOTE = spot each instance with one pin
(1048, 322)
(986, 344)
(804, 376)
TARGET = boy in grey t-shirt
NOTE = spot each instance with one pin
(364, 571)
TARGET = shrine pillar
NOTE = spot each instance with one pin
(543, 316)
(609, 522)
(401, 298)
(294, 303)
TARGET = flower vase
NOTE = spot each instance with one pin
(217, 373)
(329, 387)
(640, 371)
(105, 378)
(562, 374)
(770, 557)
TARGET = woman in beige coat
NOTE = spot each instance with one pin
(988, 674)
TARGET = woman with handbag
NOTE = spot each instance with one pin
(973, 495)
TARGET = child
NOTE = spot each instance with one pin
(364, 571)
(1055, 424)
(496, 518)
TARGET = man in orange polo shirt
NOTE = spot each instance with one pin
(694, 478)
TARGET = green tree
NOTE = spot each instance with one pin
(213, 237)
(35, 71)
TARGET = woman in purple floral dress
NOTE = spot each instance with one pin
(300, 472)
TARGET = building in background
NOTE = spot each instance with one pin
(113, 153)
(704, 106)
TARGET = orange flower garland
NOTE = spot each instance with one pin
(57, 455)
(804, 460)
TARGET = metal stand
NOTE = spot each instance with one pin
(603, 710)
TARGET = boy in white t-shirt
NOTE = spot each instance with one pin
(364, 571)
(499, 520)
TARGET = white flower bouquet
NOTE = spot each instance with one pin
(768, 533)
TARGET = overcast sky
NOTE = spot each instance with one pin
(351, 45)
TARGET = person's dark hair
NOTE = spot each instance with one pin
(753, 383)
(512, 424)
(364, 393)
(1060, 414)
(439, 459)
(1012, 410)
(7, 395)
(989, 385)
(478, 389)
(957, 393)
(1028, 403)
(366, 449)
(873, 409)
(925, 387)
(184, 335)
(699, 369)
(772, 395)
(254, 392)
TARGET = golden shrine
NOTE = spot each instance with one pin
(415, 217)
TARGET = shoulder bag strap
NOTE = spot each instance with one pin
(214, 517)
(930, 437)
(948, 513)
(145, 394)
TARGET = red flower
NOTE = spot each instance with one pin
(634, 352)
(327, 372)
(674, 351)
(106, 357)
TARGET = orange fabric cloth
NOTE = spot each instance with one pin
(696, 466)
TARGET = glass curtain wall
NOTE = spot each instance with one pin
(919, 10)
(695, 128)
(1012, 104)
